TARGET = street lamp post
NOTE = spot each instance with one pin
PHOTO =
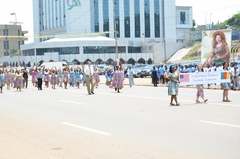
(210, 26)
(15, 22)
(115, 29)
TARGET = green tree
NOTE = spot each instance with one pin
(13, 52)
(234, 21)
(194, 23)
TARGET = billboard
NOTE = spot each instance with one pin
(216, 46)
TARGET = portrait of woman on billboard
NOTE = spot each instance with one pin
(220, 51)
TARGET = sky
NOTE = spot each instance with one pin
(203, 11)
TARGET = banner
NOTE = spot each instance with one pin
(216, 45)
(203, 78)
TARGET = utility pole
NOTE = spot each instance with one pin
(115, 29)
(15, 22)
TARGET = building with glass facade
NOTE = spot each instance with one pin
(144, 29)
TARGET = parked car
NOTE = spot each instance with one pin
(101, 70)
(137, 70)
(147, 71)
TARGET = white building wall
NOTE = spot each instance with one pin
(170, 20)
(100, 6)
(132, 15)
(152, 24)
(36, 19)
(142, 18)
(111, 22)
(121, 14)
(79, 18)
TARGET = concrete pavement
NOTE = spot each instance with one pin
(137, 123)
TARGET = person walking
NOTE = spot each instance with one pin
(162, 71)
(2, 80)
(78, 77)
(18, 80)
(235, 73)
(225, 86)
(60, 77)
(154, 77)
(96, 77)
(118, 78)
(72, 77)
(46, 77)
(88, 70)
(200, 92)
(25, 78)
(39, 77)
(173, 85)
(130, 74)
(53, 77)
(8, 78)
(65, 77)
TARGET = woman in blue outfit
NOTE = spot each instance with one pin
(225, 86)
(130, 76)
(2, 80)
(173, 85)
(77, 77)
(72, 77)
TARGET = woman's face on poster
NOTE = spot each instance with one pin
(218, 38)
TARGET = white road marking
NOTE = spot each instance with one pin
(85, 128)
(223, 124)
(65, 101)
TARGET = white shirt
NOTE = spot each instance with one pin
(88, 70)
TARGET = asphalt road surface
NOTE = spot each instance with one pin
(137, 123)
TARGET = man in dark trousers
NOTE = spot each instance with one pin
(154, 77)
(25, 76)
(40, 77)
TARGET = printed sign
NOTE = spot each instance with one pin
(204, 78)
(216, 45)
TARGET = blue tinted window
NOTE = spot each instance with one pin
(106, 16)
(117, 17)
(96, 15)
(127, 18)
(137, 18)
(157, 18)
(147, 18)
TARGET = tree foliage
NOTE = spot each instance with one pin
(234, 21)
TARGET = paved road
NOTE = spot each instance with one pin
(137, 123)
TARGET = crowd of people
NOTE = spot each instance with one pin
(159, 72)
(163, 75)
(89, 76)
(62, 77)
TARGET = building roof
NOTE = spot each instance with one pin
(88, 38)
